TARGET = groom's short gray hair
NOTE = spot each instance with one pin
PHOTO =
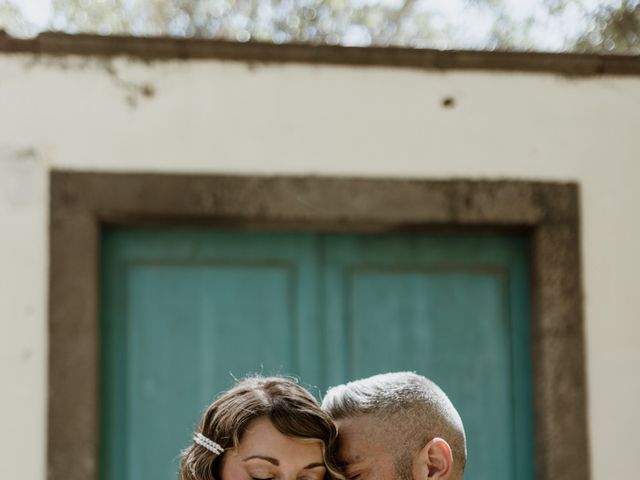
(411, 408)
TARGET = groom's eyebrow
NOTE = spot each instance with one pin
(275, 461)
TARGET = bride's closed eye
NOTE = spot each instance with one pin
(318, 474)
(306, 476)
(261, 474)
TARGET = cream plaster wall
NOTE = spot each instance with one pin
(210, 116)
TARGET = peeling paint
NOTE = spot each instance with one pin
(20, 176)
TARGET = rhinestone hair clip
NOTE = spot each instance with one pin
(207, 443)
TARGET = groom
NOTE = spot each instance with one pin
(397, 426)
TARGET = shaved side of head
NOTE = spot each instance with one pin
(410, 411)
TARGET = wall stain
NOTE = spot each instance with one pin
(134, 91)
(20, 176)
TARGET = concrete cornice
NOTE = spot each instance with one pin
(165, 48)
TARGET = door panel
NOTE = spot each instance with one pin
(443, 306)
(185, 310)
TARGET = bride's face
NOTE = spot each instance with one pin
(264, 454)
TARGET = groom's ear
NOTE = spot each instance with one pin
(434, 461)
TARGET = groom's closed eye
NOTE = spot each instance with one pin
(352, 473)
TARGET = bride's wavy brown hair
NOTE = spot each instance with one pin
(293, 411)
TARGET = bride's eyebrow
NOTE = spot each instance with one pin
(275, 461)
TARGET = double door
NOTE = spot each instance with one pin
(185, 311)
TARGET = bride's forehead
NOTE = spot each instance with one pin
(263, 434)
(264, 452)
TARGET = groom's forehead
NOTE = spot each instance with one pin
(358, 439)
(363, 448)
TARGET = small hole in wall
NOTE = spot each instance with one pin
(448, 102)
(148, 90)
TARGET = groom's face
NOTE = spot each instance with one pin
(365, 451)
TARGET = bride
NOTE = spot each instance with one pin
(263, 429)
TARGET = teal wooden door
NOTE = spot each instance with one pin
(186, 310)
(183, 312)
(453, 309)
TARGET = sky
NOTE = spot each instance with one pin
(549, 32)
(36, 12)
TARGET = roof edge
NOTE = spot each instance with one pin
(167, 48)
